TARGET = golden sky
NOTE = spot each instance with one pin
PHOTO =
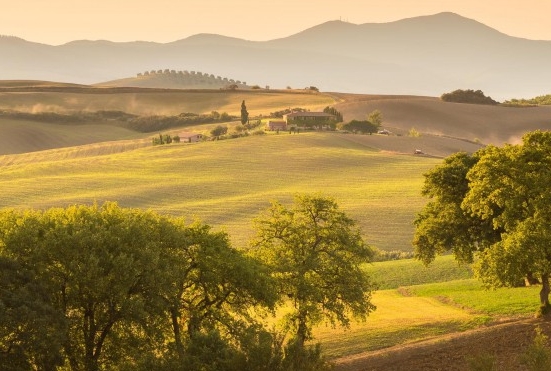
(59, 21)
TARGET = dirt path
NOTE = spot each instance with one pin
(505, 342)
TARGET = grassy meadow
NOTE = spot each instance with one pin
(227, 183)
(420, 307)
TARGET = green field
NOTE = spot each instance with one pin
(407, 272)
(227, 183)
(415, 311)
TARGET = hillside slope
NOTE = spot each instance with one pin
(227, 183)
(445, 127)
(486, 124)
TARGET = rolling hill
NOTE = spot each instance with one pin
(485, 124)
(376, 177)
(426, 55)
(227, 183)
(172, 79)
(445, 127)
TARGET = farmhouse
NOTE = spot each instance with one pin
(187, 137)
(276, 125)
(309, 119)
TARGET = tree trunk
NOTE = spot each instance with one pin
(301, 333)
(177, 333)
(545, 290)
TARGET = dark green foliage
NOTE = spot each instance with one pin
(542, 100)
(333, 111)
(443, 225)
(219, 130)
(468, 96)
(494, 205)
(124, 289)
(364, 127)
(300, 358)
(286, 111)
(244, 114)
(314, 252)
(165, 139)
(31, 329)
(146, 124)
(189, 79)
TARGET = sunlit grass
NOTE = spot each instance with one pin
(408, 272)
(398, 320)
(227, 183)
(422, 311)
(516, 301)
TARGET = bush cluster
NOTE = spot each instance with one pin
(279, 114)
(147, 124)
(468, 96)
(195, 76)
(382, 255)
(542, 100)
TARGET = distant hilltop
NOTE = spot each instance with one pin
(425, 55)
(173, 79)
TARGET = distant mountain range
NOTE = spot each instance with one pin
(427, 55)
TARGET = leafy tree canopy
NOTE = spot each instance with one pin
(333, 111)
(219, 130)
(468, 96)
(357, 126)
(493, 204)
(542, 100)
(375, 117)
(314, 252)
(96, 286)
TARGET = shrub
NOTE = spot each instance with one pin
(219, 131)
(482, 362)
(413, 133)
(382, 255)
(468, 96)
(538, 355)
(304, 359)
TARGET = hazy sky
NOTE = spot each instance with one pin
(58, 21)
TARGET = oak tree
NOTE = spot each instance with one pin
(493, 205)
(315, 252)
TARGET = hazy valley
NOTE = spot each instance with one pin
(418, 56)
(79, 122)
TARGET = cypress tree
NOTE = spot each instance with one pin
(244, 113)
